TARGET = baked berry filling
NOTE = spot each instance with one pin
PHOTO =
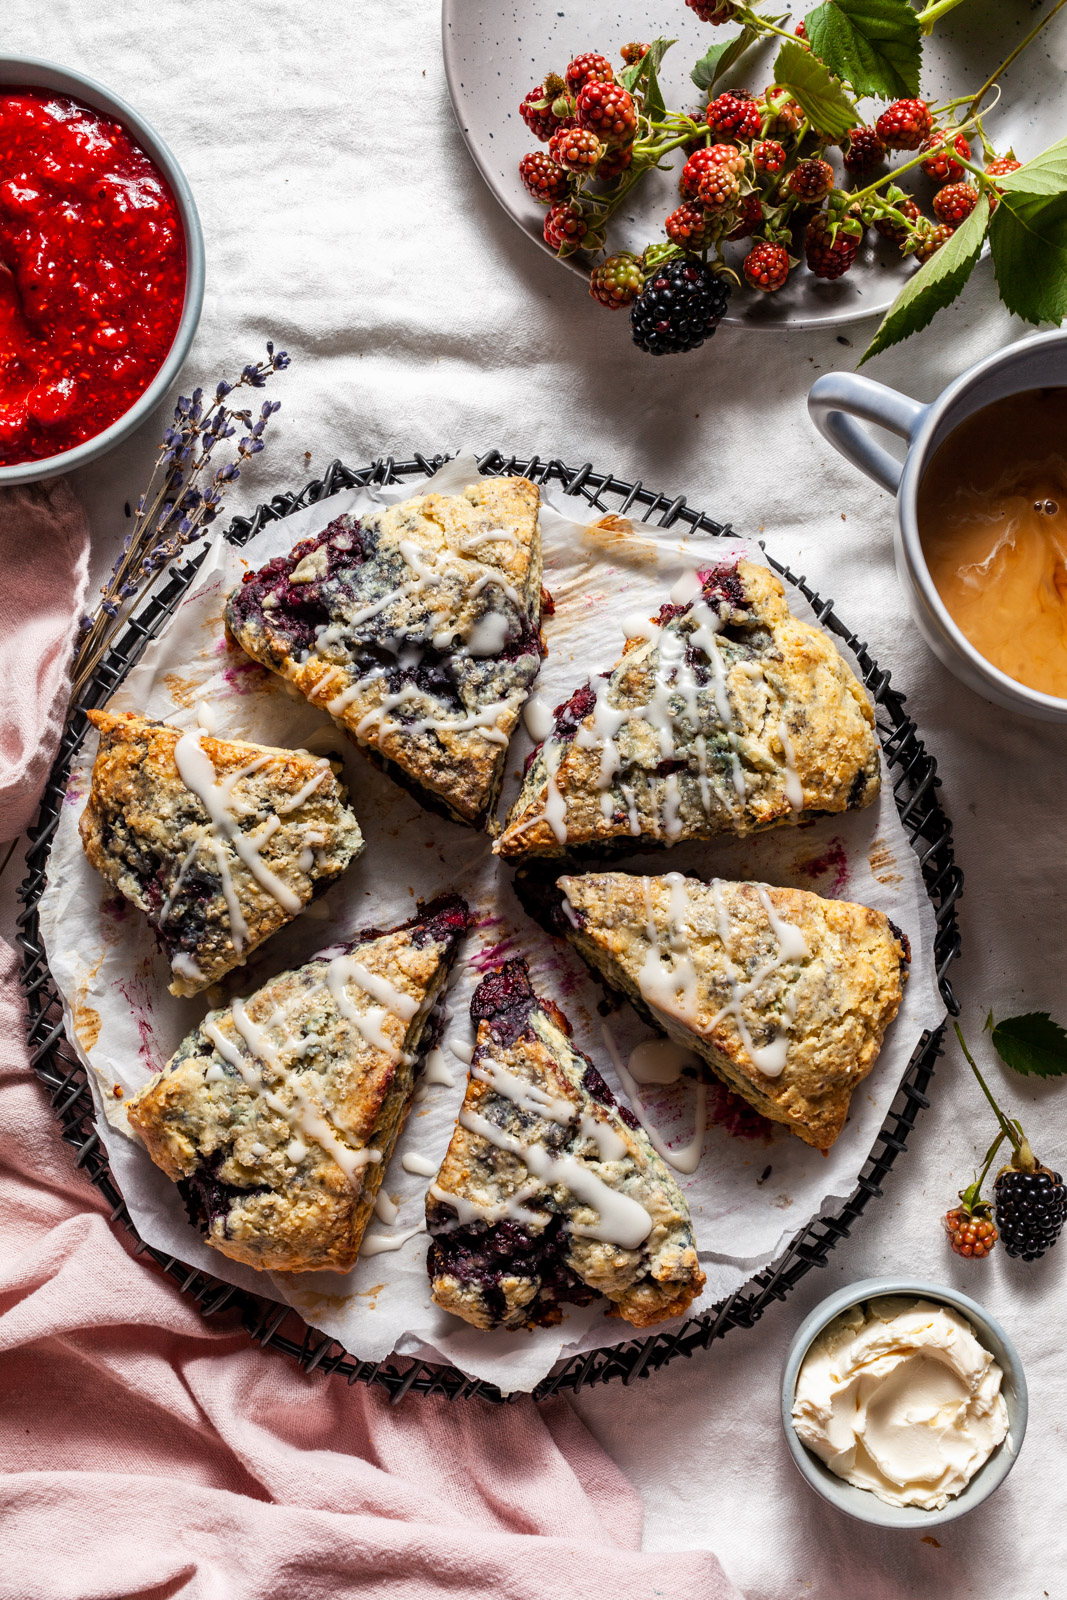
(479, 1255)
(210, 1199)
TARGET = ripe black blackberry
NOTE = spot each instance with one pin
(678, 309)
(1031, 1210)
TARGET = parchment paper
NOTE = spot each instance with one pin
(749, 1194)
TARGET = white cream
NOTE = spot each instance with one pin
(897, 1396)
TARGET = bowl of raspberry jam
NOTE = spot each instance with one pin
(101, 269)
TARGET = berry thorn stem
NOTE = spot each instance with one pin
(1022, 1155)
(1019, 48)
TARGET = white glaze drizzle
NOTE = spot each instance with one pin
(385, 1209)
(622, 1221)
(436, 1071)
(687, 1159)
(770, 1058)
(538, 718)
(375, 1244)
(197, 772)
(421, 1166)
(303, 1116)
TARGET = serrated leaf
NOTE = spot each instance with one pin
(819, 94)
(1032, 1044)
(875, 45)
(1028, 236)
(1045, 174)
(720, 58)
(935, 285)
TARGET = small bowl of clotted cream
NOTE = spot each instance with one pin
(903, 1403)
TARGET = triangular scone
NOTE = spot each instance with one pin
(418, 629)
(550, 1192)
(726, 716)
(219, 842)
(785, 995)
(278, 1115)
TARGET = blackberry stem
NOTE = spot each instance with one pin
(1022, 1155)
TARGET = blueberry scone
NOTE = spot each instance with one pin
(418, 629)
(550, 1193)
(220, 843)
(785, 995)
(726, 715)
(277, 1116)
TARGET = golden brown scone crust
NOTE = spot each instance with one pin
(672, 779)
(141, 826)
(261, 1185)
(471, 1271)
(463, 648)
(844, 992)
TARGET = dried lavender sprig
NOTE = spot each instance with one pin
(175, 510)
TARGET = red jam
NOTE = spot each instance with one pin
(92, 273)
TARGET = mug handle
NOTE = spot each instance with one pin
(837, 397)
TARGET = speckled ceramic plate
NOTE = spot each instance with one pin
(494, 54)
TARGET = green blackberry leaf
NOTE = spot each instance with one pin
(1031, 1044)
(935, 285)
(1028, 236)
(875, 45)
(720, 58)
(1045, 174)
(642, 79)
(820, 95)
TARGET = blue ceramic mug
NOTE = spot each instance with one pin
(838, 398)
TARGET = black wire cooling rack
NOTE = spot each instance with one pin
(915, 785)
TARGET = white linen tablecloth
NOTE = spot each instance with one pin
(344, 219)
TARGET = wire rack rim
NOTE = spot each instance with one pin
(915, 785)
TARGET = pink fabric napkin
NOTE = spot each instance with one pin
(44, 560)
(149, 1453)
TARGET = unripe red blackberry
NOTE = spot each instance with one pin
(942, 167)
(616, 282)
(769, 156)
(863, 152)
(719, 189)
(690, 227)
(766, 267)
(829, 252)
(697, 165)
(607, 110)
(733, 115)
(931, 240)
(542, 178)
(904, 125)
(565, 227)
(541, 120)
(971, 1235)
(575, 150)
(589, 67)
(632, 53)
(954, 203)
(811, 180)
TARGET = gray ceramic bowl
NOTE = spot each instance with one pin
(33, 74)
(860, 1503)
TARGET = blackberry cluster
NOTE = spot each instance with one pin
(678, 308)
(1031, 1211)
